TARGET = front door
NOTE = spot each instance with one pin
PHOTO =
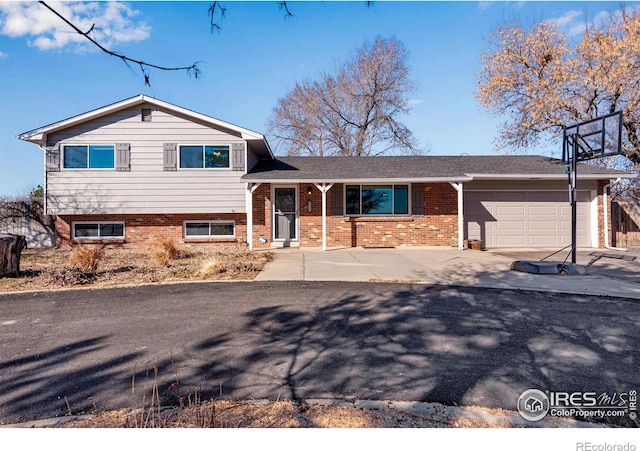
(285, 214)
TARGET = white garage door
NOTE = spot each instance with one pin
(525, 219)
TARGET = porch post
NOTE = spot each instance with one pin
(249, 206)
(458, 188)
(324, 187)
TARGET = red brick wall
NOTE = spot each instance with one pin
(142, 229)
(262, 216)
(437, 227)
(601, 225)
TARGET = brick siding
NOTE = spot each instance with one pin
(437, 227)
(141, 230)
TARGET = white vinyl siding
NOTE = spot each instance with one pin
(146, 188)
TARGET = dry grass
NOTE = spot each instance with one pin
(86, 257)
(164, 250)
(280, 414)
(46, 269)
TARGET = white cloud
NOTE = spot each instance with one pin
(414, 101)
(3, 55)
(572, 22)
(114, 22)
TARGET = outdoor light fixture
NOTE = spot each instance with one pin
(309, 190)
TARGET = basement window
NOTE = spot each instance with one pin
(209, 229)
(98, 230)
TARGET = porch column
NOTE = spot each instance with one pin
(251, 187)
(324, 187)
(458, 188)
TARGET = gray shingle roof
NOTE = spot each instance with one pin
(427, 168)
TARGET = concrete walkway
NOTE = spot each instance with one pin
(445, 266)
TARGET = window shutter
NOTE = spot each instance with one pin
(417, 199)
(237, 150)
(170, 156)
(52, 152)
(337, 200)
(123, 157)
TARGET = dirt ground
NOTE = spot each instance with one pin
(50, 269)
(287, 414)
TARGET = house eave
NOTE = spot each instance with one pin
(549, 176)
(248, 179)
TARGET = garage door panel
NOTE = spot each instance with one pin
(526, 219)
(509, 210)
(543, 225)
(510, 226)
(543, 210)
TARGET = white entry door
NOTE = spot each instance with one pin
(285, 213)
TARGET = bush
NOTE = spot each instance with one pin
(163, 250)
(86, 258)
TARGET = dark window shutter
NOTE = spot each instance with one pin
(170, 156)
(337, 200)
(123, 157)
(417, 199)
(52, 157)
(237, 151)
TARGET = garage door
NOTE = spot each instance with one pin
(525, 219)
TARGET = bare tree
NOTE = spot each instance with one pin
(354, 112)
(542, 81)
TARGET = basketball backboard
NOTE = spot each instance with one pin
(595, 138)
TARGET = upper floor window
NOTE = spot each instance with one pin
(377, 199)
(88, 157)
(204, 157)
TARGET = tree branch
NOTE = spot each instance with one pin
(191, 70)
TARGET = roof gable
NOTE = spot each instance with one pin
(38, 135)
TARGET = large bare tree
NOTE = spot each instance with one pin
(541, 79)
(355, 111)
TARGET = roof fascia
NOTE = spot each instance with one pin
(625, 175)
(249, 179)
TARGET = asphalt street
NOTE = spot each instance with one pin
(82, 351)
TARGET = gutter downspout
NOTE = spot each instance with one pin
(44, 167)
(606, 217)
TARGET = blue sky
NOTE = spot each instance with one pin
(258, 56)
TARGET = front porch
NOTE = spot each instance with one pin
(315, 214)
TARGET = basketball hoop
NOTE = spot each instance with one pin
(588, 140)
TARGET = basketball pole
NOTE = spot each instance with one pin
(574, 203)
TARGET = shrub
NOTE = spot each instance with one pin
(86, 258)
(163, 250)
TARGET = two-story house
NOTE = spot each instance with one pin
(127, 172)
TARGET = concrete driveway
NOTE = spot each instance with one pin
(610, 273)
